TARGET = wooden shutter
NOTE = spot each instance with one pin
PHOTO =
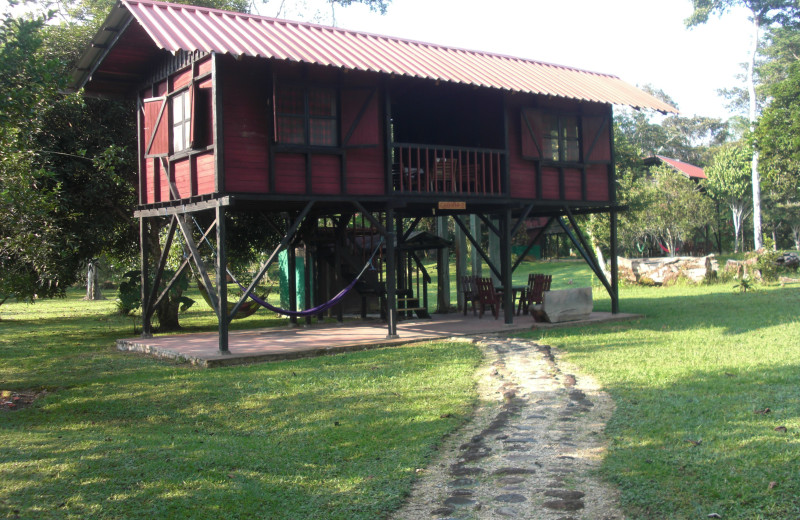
(156, 127)
(531, 133)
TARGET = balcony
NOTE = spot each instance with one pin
(435, 170)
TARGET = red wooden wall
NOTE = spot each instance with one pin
(585, 180)
(191, 172)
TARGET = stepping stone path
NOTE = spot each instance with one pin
(529, 452)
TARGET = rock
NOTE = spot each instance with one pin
(564, 494)
(510, 498)
(564, 505)
(567, 304)
(661, 271)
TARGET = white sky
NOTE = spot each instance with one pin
(641, 41)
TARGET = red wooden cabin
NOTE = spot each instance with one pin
(240, 112)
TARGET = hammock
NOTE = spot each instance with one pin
(245, 310)
(321, 307)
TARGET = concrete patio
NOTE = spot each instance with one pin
(272, 344)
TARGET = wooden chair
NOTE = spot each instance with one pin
(533, 294)
(444, 174)
(537, 285)
(470, 291)
(488, 296)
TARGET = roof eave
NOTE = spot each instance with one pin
(100, 45)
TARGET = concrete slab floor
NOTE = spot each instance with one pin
(272, 344)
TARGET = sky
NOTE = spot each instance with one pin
(644, 42)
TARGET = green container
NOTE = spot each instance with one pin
(300, 277)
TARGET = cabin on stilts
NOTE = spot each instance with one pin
(340, 139)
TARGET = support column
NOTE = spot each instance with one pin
(443, 269)
(494, 249)
(475, 229)
(291, 256)
(505, 267)
(144, 252)
(461, 262)
(614, 266)
(222, 281)
(391, 275)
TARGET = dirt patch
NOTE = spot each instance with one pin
(11, 400)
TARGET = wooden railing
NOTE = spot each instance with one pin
(425, 169)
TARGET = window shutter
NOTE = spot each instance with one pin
(531, 134)
(156, 126)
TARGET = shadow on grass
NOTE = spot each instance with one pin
(334, 437)
(705, 444)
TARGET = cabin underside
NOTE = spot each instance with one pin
(367, 246)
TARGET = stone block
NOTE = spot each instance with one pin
(567, 304)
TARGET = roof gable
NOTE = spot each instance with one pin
(176, 28)
(690, 170)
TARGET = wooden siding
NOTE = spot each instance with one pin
(597, 183)
(246, 118)
(290, 173)
(365, 171)
(326, 174)
(192, 171)
(522, 172)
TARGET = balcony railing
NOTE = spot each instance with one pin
(437, 170)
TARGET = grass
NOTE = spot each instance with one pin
(124, 436)
(689, 380)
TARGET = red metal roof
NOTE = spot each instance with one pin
(690, 170)
(178, 28)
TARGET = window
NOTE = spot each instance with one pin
(306, 116)
(561, 140)
(181, 121)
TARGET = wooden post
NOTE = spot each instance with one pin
(291, 256)
(461, 262)
(614, 266)
(505, 266)
(443, 269)
(222, 281)
(144, 252)
(475, 229)
(495, 249)
(391, 274)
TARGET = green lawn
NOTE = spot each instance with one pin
(124, 436)
(698, 368)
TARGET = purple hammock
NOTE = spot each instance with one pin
(319, 308)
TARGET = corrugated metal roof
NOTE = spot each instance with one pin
(178, 28)
(690, 170)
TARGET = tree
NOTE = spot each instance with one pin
(670, 208)
(762, 14)
(31, 261)
(729, 181)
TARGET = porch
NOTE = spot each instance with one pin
(273, 344)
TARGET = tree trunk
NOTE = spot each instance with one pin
(751, 90)
(167, 311)
(92, 286)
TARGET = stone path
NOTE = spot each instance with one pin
(531, 450)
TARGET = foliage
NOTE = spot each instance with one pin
(125, 436)
(766, 264)
(763, 13)
(744, 285)
(31, 261)
(129, 294)
(729, 181)
(667, 208)
(778, 135)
